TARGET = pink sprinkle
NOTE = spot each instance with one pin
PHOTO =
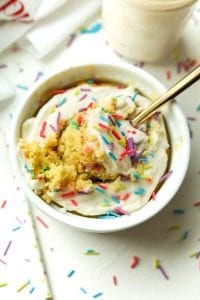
(69, 194)
(3, 204)
(153, 195)
(121, 211)
(42, 222)
(134, 262)
(114, 280)
(42, 131)
(125, 196)
(74, 202)
(103, 186)
(83, 97)
(7, 248)
(166, 176)
(168, 74)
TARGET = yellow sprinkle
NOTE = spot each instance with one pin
(3, 284)
(23, 286)
(193, 254)
(117, 186)
(153, 96)
(76, 92)
(156, 263)
(174, 227)
(52, 109)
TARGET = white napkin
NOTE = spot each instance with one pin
(50, 32)
(15, 25)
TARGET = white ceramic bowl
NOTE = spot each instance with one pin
(125, 73)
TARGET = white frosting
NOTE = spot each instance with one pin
(152, 143)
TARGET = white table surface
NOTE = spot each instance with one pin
(63, 247)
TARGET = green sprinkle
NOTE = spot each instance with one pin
(74, 125)
(46, 169)
(185, 235)
(91, 252)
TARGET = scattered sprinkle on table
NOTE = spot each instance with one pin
(115, 281)
(42, 222)
(2, 284)
(157, 265)
(178, 211)
(134, 262)
(3, 204)
(23, 286)
(174, 227)
(22, 87)
(184, 235)
(7, 248)
(97, 295)
(70, 273)
(83, 290)
(91, 252)
(196, 203)
(168, 74)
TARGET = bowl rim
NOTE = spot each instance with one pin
(94, 224)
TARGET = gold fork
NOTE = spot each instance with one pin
(175, 90)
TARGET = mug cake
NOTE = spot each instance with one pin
(80, 160)
(81, 151)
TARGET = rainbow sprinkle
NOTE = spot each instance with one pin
(23, 286)
(70, 273)
(157, 265)
(41, 222)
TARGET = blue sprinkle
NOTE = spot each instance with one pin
(94, 98)
(70, 273)
(83, 290)
(143, 159)
(27, 168)
(115, 199)
(16, 228)
(32, 290)
(134, 96)
(105, 139)
(61, 101)
(22, 87)
(98, 189)
(118, 123)
(104, 119)
(139, 191)
(106, 217)
(137, 176)
(112, 155)
(97, 295)
(179, 211)
(10, 115)
(112, 213)
(90, 81)
(93, 29)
